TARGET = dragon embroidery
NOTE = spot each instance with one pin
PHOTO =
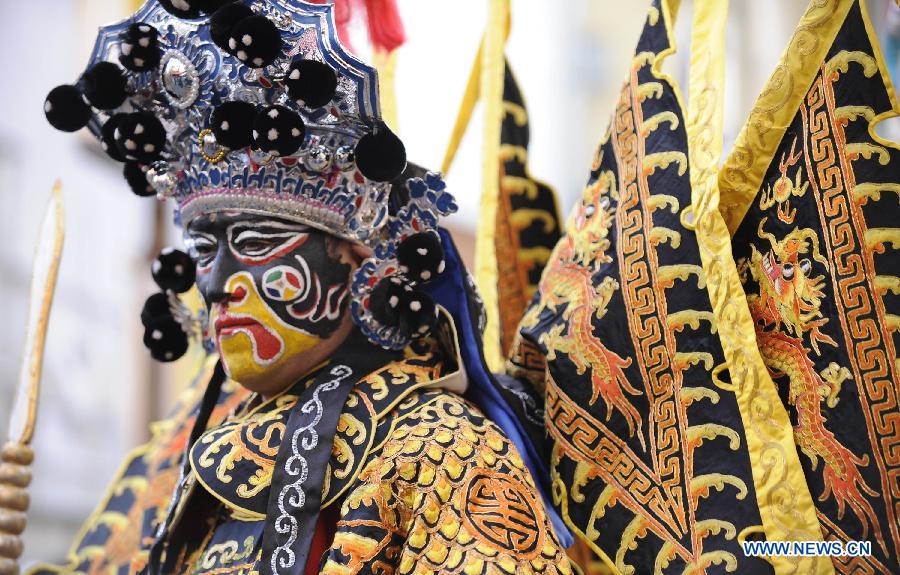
(568, 281)
(788, 308)
(781, 191)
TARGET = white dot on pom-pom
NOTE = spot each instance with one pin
(179, 270)
(149, 148)
(258, 61)
(139, 62)
(181, 5)
(415, 305)
(425, 275)
(155, 266)
(423, 329)
(295, 132)
(48, 107)
(396, 281)
(273, 135)
(232, 43)
(144, 42)
(295, 74)
(139, 129)
(104, 146)
(167, 251)
(394, 301)
(273, 113)
(169, 355)
(441, 266)
(242, 56)
(255, 134)
(126, 49)
(422, 251)
(130, 145)
(157, 335)
(144, 28)
(225, 125)
(247, 40)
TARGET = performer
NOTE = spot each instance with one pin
(335, 433)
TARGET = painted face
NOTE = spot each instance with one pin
(274, 289)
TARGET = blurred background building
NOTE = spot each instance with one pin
(100, 389)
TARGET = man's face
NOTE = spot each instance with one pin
(275, 290)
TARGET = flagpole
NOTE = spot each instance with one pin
(16, 456)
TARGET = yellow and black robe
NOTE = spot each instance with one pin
(419, 481)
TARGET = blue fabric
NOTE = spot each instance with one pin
(449, 290)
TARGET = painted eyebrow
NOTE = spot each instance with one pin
(195, 236)
(264, 228)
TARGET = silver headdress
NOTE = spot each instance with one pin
(260, 107)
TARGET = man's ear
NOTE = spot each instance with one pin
(361, 252)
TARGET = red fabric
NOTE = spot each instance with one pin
(382, 21)
(385, 25)
(322, 539)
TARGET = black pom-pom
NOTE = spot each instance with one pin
(104, 86)
(417, 312)
(232, 124)
(166, 340)
(310, 82)
(173, 270)
(181, 8)
(395, 303)
(140, 47)
(156, 310)
(278, 129)
(224, 20)
(141, 136)
(380, 155)
(137, 180)
(384, 301)
(209, 6)
(108, 138)
(255, 41)
(421, 256)
(66, 109)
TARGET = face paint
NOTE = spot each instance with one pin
(274, 289)
(251, 339)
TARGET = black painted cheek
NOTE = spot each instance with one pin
(211, 282)
(324, 287)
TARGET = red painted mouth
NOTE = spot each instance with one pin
(267, 346)
(226, 324)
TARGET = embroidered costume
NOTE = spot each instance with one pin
(418, 480)
(715, 348)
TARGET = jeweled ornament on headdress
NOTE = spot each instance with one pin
(256, 106)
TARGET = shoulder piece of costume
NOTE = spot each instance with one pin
(811, 195)
(444, 492)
